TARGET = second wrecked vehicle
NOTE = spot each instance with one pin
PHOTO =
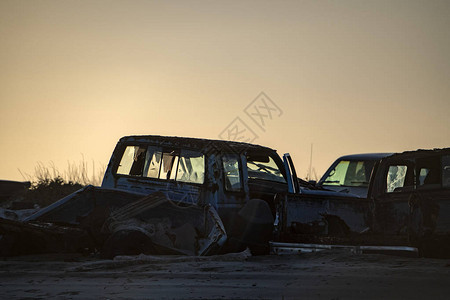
(407, 203)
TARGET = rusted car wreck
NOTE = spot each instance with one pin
(408, 203)
(167, 195)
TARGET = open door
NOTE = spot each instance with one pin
(293, 186)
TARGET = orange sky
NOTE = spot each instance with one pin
(348, 76)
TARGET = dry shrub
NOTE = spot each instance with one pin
(46, 191)
(75, 173)
(48, 184)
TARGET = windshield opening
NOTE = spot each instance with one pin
(350, 173)
(264, 167)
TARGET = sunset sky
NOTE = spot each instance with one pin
(347, 76)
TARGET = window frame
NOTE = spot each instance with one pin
(419, 164)
(410, 180)
(415, 164)
(163, 150)
(241, 177)
(122, 152)
(180, 156)
(275, 161)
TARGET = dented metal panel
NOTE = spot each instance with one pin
(93, 215)
(310, 208)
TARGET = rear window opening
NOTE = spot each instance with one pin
(152, 162)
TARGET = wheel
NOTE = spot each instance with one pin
(257, 228)
(127, 242)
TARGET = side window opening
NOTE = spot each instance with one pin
(232, 173)
(152, 162)
(191, 167)
(423, 172)
(169, 165)
(132, 161)
(397, 178)
(429, 172)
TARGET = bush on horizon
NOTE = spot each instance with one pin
(48, 184)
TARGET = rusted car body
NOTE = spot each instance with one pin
(408, 203)
(239, 180)
(411, 197)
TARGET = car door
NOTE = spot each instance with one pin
(430, 204)
(396, 180)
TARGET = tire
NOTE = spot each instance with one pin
(127, 242)
(257, 226)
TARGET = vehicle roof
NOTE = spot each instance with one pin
(421, 153)
(405, 154)
(365, 156)
(196, 143)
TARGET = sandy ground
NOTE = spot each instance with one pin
(324, 275)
